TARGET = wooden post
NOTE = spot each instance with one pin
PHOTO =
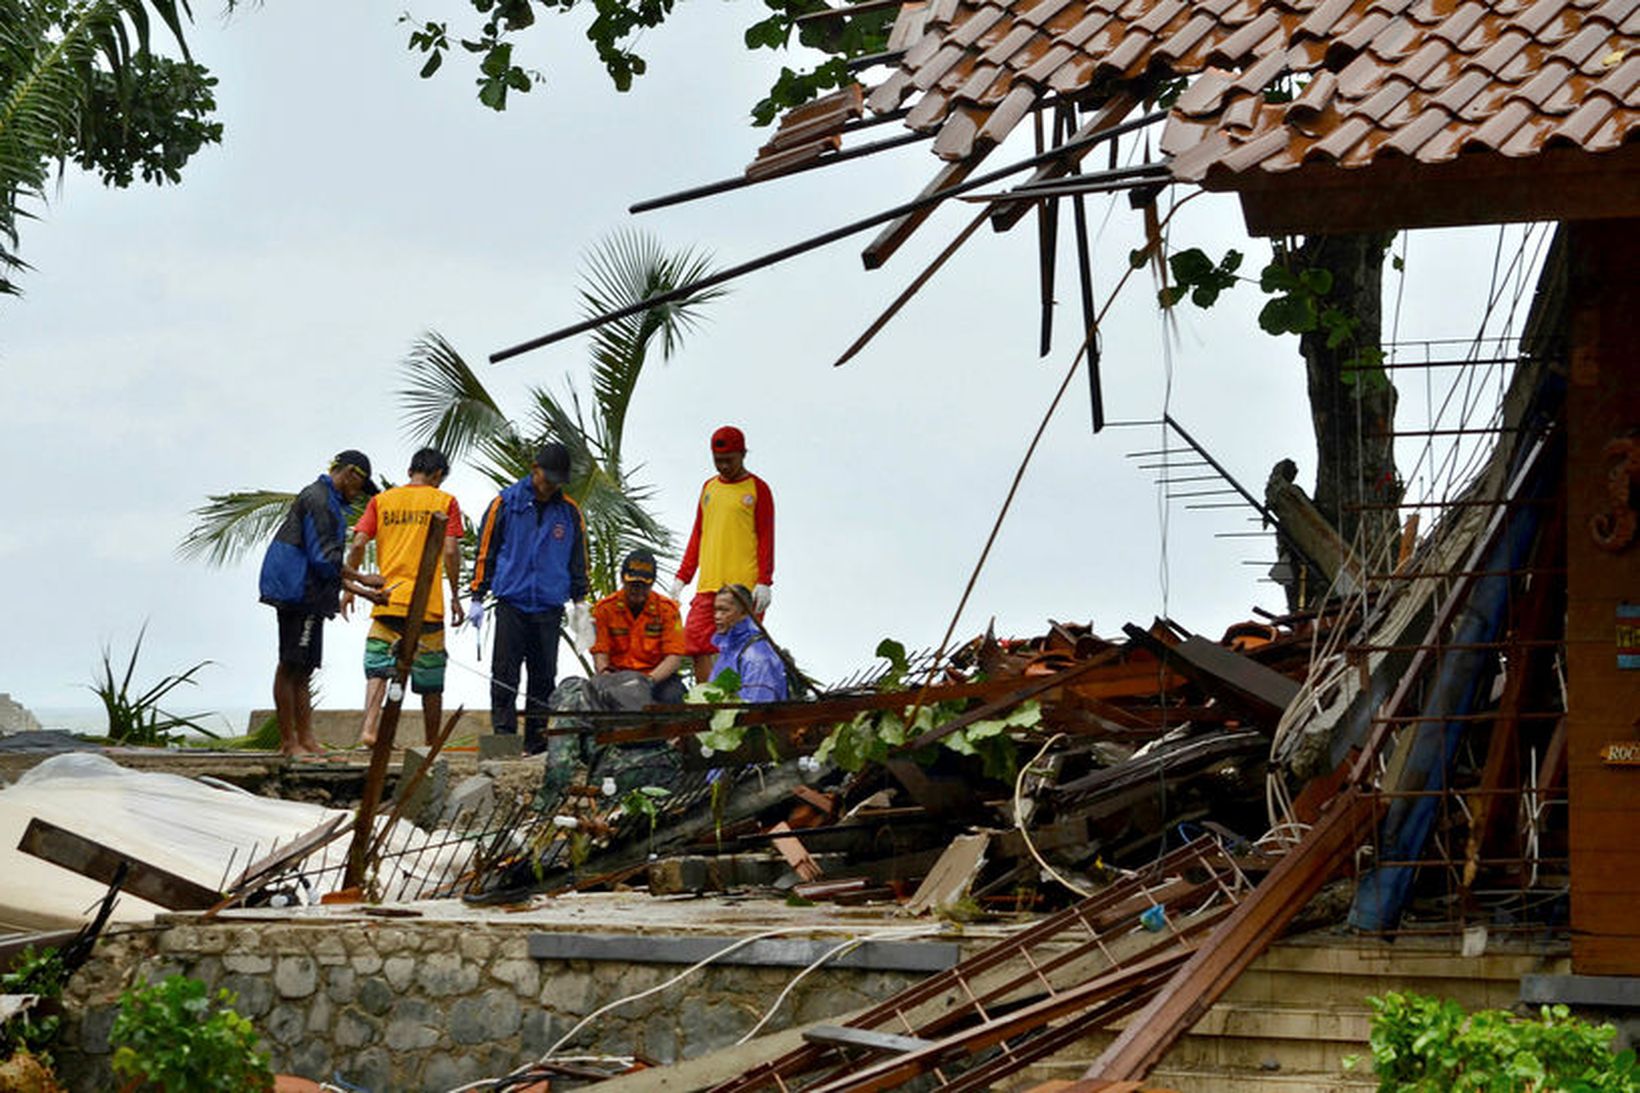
(431, 551)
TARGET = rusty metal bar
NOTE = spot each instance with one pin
(1236, 942)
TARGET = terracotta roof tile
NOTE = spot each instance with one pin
(1425, 79)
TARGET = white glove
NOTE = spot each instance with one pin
(475, 612)
(674, 591)
(580, 627)
(761, 595)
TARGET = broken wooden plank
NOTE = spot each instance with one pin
(90, 858)
(952, 874)
(1226, 674)
(864, 1038)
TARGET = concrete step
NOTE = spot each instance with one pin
(1177, 1079)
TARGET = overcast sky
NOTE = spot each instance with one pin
(237, 330)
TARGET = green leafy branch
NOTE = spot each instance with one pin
(1299, 303)
(618, 23)
(872, 736)
(724, 734)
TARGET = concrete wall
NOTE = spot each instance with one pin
(430, 1006)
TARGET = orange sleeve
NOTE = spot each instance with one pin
(763, 521)
(672, 643)
(453, 529)
(367, 521)
(600, 628)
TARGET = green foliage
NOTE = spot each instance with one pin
(150, 123)
(618, 24)
(34, 971)
(1430, 1045)
(173, 1036)
(136, 719)
(1196, 275)
(723, 734)
(874, 735)
(78, 81)
(645, 801)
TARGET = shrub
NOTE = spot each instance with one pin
(172, 1036)
(1430, 1045)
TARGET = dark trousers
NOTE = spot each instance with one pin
(528, 639)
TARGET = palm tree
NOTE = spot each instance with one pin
(447, 406)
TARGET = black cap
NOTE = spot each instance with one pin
(553, 458)
(360, 462)
(639, 566)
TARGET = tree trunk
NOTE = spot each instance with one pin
(1353, 411)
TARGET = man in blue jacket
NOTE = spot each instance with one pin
(303, 574)
(532, 556)
(744, 650)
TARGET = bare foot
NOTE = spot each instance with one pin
(311, 745)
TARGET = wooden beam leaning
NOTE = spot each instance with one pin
(90, 858)
(381, 755)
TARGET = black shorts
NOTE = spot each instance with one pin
(301, 638)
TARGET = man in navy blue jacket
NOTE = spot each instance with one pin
(532, 557)
(303, 574)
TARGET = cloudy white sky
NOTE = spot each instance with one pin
(237, 330)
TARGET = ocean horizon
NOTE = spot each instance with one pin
(93, 721)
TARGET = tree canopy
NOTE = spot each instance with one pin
(81, 83)
(491, 33)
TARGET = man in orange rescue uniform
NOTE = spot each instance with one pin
(398, 519)
(640, 630)
(732, 542)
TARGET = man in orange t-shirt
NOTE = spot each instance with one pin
(640, 630)
(398, 519)
(732, 542)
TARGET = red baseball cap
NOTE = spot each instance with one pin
(728, 439)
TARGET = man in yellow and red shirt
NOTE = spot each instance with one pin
(639, 630)
(398, 519)
(732, 542)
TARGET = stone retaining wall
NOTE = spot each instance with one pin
(431, 1006)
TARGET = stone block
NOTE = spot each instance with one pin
(473, 798)
(660, 1038)
(329, 950)
(443, 974)
(248, 963)
(445, 1072)
(296, 976)
(355, 1030)
(475, 947)
(399, 970)
(500, 746)
(414, 1026)
(310, 1059)
(714, 1025)
(321, 1012)
(376, 996)
(341, 984)
(493, 1015)
(366, 963)
(286, 1024)
(524, 976)
(371, 1068)
(570, 992)
(253, 993)
(426, 801)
